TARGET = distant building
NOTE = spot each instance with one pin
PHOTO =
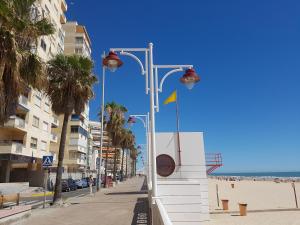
(77, 40)
(26, 137)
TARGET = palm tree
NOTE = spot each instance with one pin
(127, 141)
(70, 87)
(133, 155)
(21, 25)
(115, 122)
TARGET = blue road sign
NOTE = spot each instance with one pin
(47, 161)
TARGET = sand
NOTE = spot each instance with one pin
(268, 203)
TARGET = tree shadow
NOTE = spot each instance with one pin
(141, 212)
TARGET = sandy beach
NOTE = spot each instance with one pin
(268, 203)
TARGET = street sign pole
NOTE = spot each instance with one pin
(47, 161)
(45, 186)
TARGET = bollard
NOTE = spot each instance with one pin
(225, 204)
(243, 209)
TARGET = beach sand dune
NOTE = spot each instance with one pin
(269, 203)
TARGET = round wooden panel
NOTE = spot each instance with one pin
(165, 165)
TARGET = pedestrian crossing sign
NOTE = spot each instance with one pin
(47, 161)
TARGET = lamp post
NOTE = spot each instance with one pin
(145, 120)
(99, 180)
(113, 62)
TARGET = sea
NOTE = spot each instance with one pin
(261, 174)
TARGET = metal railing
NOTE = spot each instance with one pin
(213, 161)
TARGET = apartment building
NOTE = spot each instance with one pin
(79, 140)
(77, 40)
(26, 137)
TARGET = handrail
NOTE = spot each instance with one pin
(164, 216)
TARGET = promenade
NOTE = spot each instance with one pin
(125, 204)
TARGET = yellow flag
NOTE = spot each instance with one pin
(171, 98)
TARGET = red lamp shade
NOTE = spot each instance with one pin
(112, 61)
(190, 78)
(131, 120)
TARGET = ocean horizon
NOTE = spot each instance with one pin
(258, 174)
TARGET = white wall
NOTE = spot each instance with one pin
(184, 194)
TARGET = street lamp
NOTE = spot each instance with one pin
(112, 61)
(145, 120)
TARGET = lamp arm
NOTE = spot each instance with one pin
(143, 72)
(167, 75)
(139, 118)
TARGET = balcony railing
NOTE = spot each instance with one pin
(23, 101)
(16, 122)
(55, 122)
(64, 6)
(63, 18)
(11, 147)
(53, 138)
(81, 161)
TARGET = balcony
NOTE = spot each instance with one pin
(55, 122)
(23, 103)
(16, 122)
(63, 18)
(53, 138)
(11, 147)
(76, 161)
(64, 6)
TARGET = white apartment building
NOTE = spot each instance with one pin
(26, 137)
(78, 141)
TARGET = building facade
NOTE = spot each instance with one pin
(27, 136)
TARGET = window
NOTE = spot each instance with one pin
(78, 50)
(47, 107)
(43, 145)
(35, 121)
(79, 40)
(75, 117)
(43, 45)
(74, 129)
(45, 126)
(33, 143)
(37, 100)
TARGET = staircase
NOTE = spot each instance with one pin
(213, 162)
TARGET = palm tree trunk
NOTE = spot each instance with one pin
(61, 153)
(122, 167)
(115, 165)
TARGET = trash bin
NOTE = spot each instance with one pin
(225, 204)
(232, 185)
(243, 209)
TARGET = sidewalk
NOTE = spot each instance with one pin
(125, 204)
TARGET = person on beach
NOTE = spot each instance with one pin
(91, 180)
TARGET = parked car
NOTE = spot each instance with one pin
(65, 186)
(84, 183)
(72, 184)
(79, 183)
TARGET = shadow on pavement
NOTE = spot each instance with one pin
(141, 209)
(141, 212)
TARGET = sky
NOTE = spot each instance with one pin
(247, 54)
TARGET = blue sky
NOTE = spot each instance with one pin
(247, 54)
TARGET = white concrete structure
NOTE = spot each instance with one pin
(184, 194)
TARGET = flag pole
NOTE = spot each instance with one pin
(178, 135)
